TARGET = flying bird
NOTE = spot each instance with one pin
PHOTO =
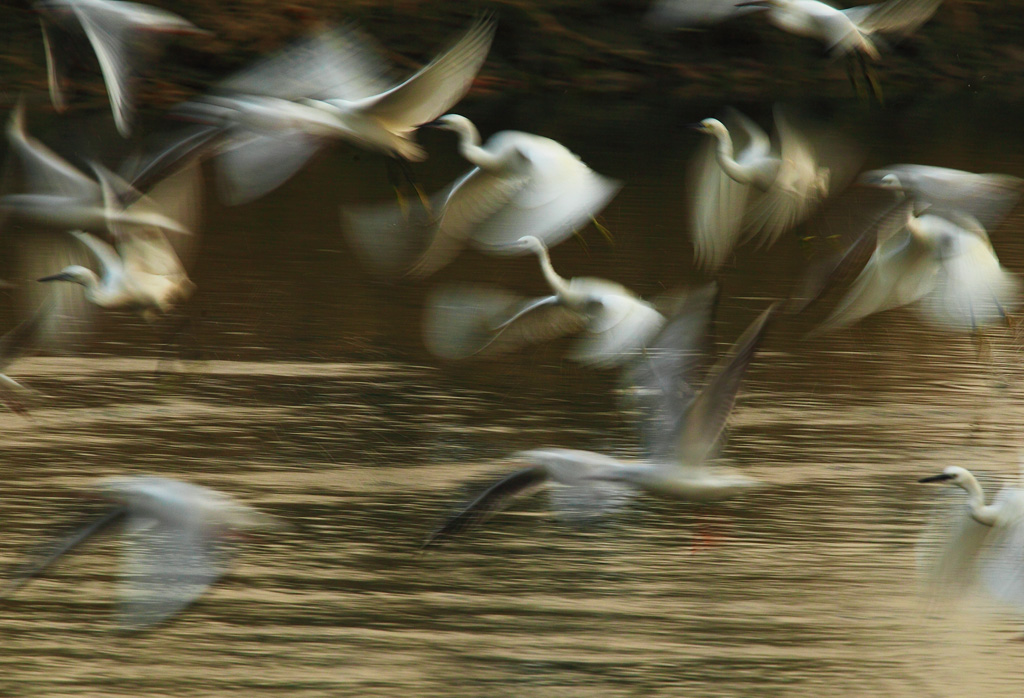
(682, 426)
(975, 541)
(177, 542)
(612, 322)
(331, 86)
(520, 183)
(743, 186)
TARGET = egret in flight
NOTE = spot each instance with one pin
(751, 188)
(613, 323)
(520, 183)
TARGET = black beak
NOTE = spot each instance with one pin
(696, 127)
(436, 123)
(756, 3)
(54, 277)
(937, 478)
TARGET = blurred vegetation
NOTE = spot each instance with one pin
(596, 48)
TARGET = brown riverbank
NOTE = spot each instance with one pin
(596, 48)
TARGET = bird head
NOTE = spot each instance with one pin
(954, 475)
(449, 122)
(710, 126)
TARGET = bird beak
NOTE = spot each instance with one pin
(762, 4)
(436, 123)
(55, 277)
(696, 127)
(936, 478)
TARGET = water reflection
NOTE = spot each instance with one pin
(316, 402)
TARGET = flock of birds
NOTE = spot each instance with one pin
(924, 244)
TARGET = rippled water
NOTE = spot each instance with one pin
(314, 400)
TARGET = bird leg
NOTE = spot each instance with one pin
(603, 230)
(407, 177)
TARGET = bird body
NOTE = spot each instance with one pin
(947, 266)
(751, 188)
(980, 540)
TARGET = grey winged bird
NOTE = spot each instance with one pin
(177, 542)
(682, 427)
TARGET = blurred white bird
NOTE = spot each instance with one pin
(944, 263)
(751, 188)
(976, 542)
(520, 183)
(986, 197)
(177, 543)
(117, 31)
(331, 86)
(615, 323)
(682, 428)
(855, 29)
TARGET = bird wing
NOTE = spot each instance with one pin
(987, 197)
(105, 254)
(794, 192)
(338, 62)
(1003, 567)
(894, 16)
(464, 320)
(661, 383)
(468, 204)
(950, 544)
(250, 165)
(54, 69)
(694, 13)
(700, 432)
(559, 196)
(106, 32)
(971, 288)
(618, 326)
(437, 86)
(106, 25)
(167, 566)
(585, 486)
(489, 502)
(46, 171)
(718, 206)
(857, 230)
(749, 139)
(899, 272)
(40, 561)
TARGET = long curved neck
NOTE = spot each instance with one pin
(559, 285)
(469, 148)
(981, 513)
(726, 158)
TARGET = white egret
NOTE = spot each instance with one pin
(682, 429)
(615, 323)
(141, 271)
(331, 86)
(979, 540)
(177, 543)
(752, 188)
(520, 183)
(855, 29)
(987, 197)
(113, 28)
(944, 263)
